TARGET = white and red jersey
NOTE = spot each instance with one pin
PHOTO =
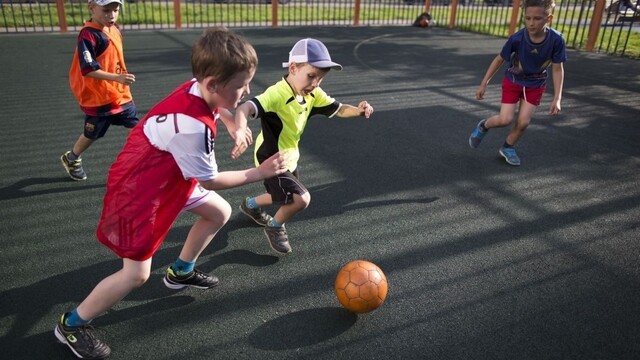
(154, 175)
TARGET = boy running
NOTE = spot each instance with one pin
(528, 52)
(284, 109)
(100, 82)
(167, 166)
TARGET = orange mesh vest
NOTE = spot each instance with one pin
(93, 93)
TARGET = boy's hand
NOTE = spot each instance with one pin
(243, 138)
(480, 92)
(126, 79)
(365, 109)
(275, 165)
(555, 107)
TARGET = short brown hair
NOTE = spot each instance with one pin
(221, 53)
(548, 5)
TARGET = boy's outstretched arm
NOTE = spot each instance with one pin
(363, 109)
(275, 165)
(243, 112)
(229, 122)
(558, 82)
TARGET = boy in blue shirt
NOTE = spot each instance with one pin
(528, 52)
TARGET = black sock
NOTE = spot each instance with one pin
(506, 145)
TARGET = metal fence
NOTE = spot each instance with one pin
(592, 25)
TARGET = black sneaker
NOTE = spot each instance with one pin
(73, 167)
(81, 341)
(278, 239)
(257, 215)
(196, 279)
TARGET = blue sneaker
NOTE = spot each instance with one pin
(477, 135)
(510, 155)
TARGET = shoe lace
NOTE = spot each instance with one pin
(88, 337)
(75, 164)
(200, 275)
(509, 152)
(279, 234)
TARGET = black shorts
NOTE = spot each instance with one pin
(283, 186)
(96, 126)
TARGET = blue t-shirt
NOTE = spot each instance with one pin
(528, 61)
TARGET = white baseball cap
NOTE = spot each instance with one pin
(106, 2)
(311, 51)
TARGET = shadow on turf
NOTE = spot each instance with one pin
(302, 328)
(27, 306)
(19, 189)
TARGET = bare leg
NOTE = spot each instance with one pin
(263, 200)
(287, 211)
(524, 117)
(114, 288)
(504, 118)
(82, 144)
(213, 215)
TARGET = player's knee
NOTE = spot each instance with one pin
(138, 278)
(225, 212)
(305, 200)
(301, 202)
(522, 124)
(504, 120)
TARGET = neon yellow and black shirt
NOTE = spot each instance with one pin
(283, 116)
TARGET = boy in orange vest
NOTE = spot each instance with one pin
(100, 81)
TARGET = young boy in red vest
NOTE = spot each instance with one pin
(99, 81)
(168, 166)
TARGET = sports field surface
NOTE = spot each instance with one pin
(483, 260)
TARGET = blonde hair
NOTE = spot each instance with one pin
(221, 54)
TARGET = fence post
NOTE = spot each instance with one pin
(274, 13)
(596, 22)
(177, 15)
(515, 15)
(356, 13)
(62, 16)
(452, 16)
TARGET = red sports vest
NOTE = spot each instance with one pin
(145, 188)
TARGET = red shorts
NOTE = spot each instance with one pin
(512, 93)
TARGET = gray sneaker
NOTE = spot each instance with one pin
(258, 215)
(510, 156)
(73, 167)
(278, 239)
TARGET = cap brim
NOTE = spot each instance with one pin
(105, 3)
(326, 65)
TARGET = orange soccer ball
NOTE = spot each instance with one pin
(361, 286)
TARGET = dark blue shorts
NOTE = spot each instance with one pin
(96, 126)
(283, 186)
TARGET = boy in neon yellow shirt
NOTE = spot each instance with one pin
(284, 109)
